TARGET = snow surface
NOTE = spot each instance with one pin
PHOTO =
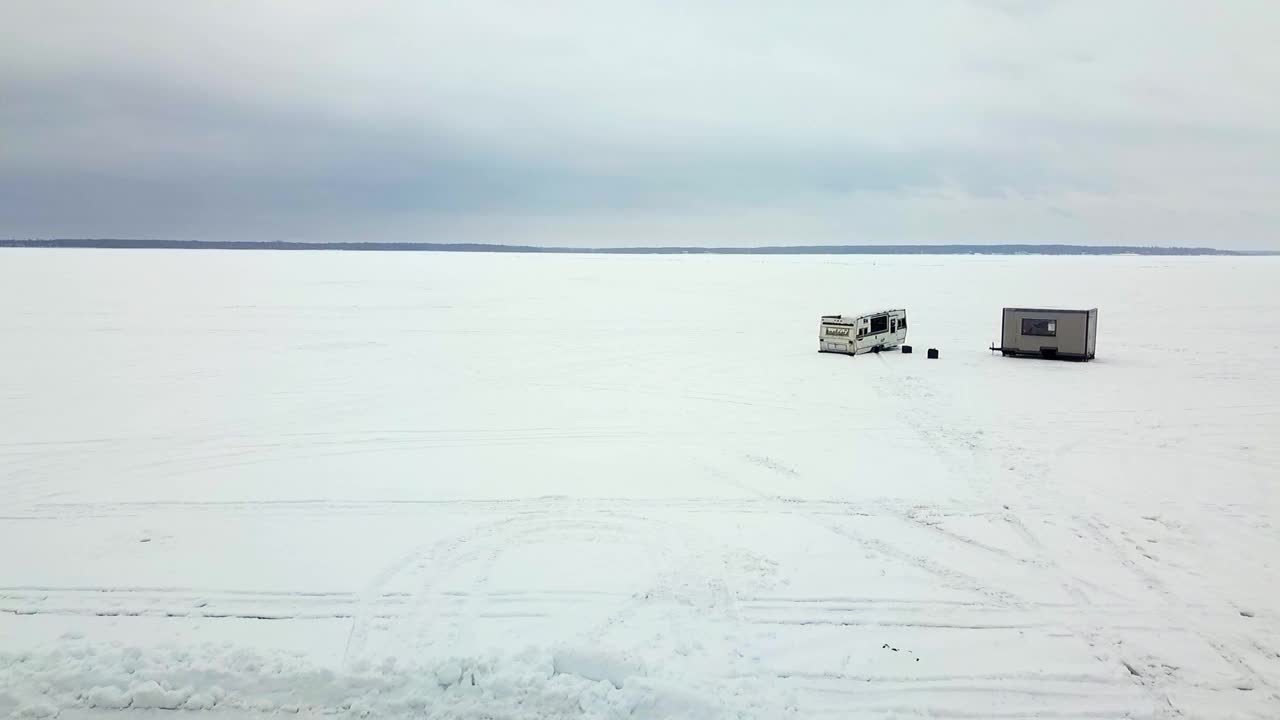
(520, 486)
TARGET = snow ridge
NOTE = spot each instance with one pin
(533, 684)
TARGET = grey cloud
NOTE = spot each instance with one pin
(489, 121)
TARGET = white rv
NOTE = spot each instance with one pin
(857, 334)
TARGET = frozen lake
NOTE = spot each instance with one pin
(630, 486)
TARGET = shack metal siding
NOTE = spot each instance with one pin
(1049, 310)
(1072, 331)
(1092, 342)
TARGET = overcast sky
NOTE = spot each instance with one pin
(607, 123)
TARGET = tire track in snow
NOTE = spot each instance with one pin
(977, 474)
(425, 567)
(370, 600)
(1099, 635)
(1083, 627)
(690, 576)
(1251, 679)
(760, 503)
(682, 573)
(944, 614)
(433, 562)
(479, 602)
(250, 605)
(532, 529)
(950, 576)
(1024, 695)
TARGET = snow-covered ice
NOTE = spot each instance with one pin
(525, 486)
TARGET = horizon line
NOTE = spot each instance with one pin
(384, 246)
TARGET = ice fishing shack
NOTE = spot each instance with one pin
(1049, 333)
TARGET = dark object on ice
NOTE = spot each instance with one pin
(906, 349)
(933, 353)
(887, 646)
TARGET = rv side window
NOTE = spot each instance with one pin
(902, 323)
(1043, 328)
(879, 324)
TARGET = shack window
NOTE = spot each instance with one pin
(1043, 328)
(879, 324)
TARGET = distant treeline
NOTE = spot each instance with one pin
(771, 250)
